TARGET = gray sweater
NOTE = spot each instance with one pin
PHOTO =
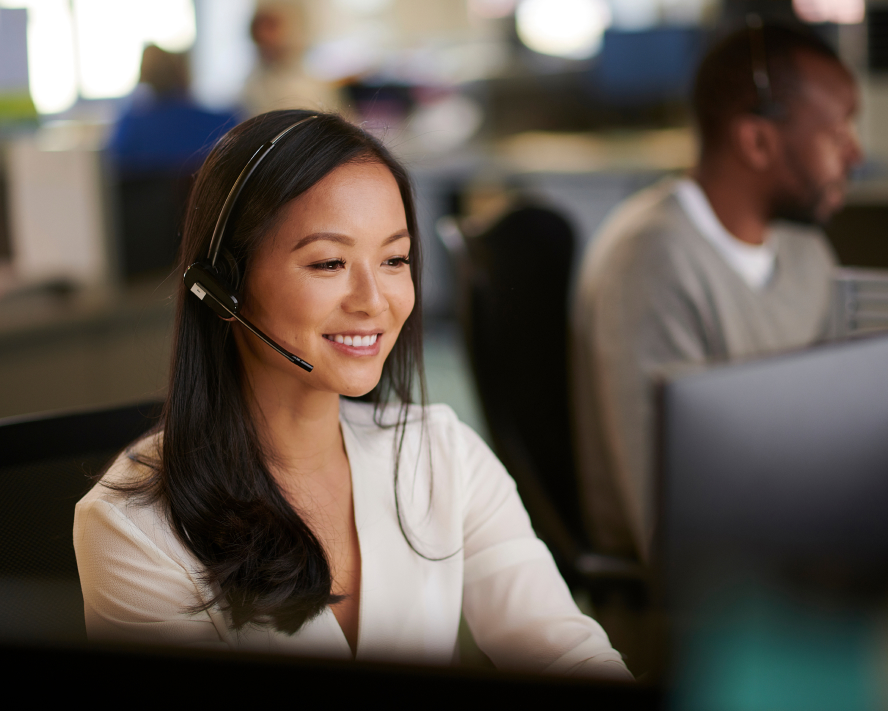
(652, 294)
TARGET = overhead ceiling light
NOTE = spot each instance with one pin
(563, 28)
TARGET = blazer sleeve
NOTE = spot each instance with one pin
(515, 602)
(133, 591)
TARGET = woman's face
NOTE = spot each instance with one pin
(332, 282)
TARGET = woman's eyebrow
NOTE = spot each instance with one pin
(328, 236)
(400, 234)
(343, 239)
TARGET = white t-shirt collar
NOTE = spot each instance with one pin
(753, 262)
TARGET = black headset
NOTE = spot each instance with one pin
(761, 77)
(203, 278)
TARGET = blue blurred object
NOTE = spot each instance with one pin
(165, 133)
(649, 66)
(13, 50)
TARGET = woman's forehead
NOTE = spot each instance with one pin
(357, 201)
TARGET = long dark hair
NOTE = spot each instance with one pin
(263, 561)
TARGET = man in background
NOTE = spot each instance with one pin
(279, 29)
(727, 263)
(163, 130)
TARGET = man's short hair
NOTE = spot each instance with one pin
(724, 86)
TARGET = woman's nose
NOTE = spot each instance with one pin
(364, 295)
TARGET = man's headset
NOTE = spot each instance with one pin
(203, 278)
(767, 107)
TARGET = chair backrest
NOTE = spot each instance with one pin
(46, 465)
(513, 302)
(150, 212)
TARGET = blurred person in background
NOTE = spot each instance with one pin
(729, 262)
(163, 129)
(279, 81)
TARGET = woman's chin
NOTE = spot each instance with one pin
(358, 389)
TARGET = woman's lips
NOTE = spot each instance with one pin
(354, 343)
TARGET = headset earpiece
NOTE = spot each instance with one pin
(222, 283)
(202, 280)
(206, 284)
(228, 270)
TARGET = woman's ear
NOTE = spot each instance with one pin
(756, 141)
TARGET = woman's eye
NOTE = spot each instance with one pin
(397, 261)
(331, 265)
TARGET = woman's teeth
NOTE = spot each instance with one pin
(357, 341)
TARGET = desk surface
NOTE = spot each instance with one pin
(84, 348)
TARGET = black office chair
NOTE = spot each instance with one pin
(151, 208)
(46, 465)
(513, 292)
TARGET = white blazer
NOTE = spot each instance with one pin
(138, 577)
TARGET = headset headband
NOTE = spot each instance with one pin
(202, 279)
(761, 77)
(234, 193)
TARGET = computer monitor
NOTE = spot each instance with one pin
(772, 540)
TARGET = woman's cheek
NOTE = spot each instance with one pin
(316, 295)
(406, 299)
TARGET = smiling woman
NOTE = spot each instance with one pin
(334, 278)
(267, 511)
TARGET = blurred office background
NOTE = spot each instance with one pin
(107, 108)
(570, 103)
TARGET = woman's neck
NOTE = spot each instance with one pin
(300, 429)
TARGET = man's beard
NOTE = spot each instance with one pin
(809, 205)
(808, 201)
(794, 209)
